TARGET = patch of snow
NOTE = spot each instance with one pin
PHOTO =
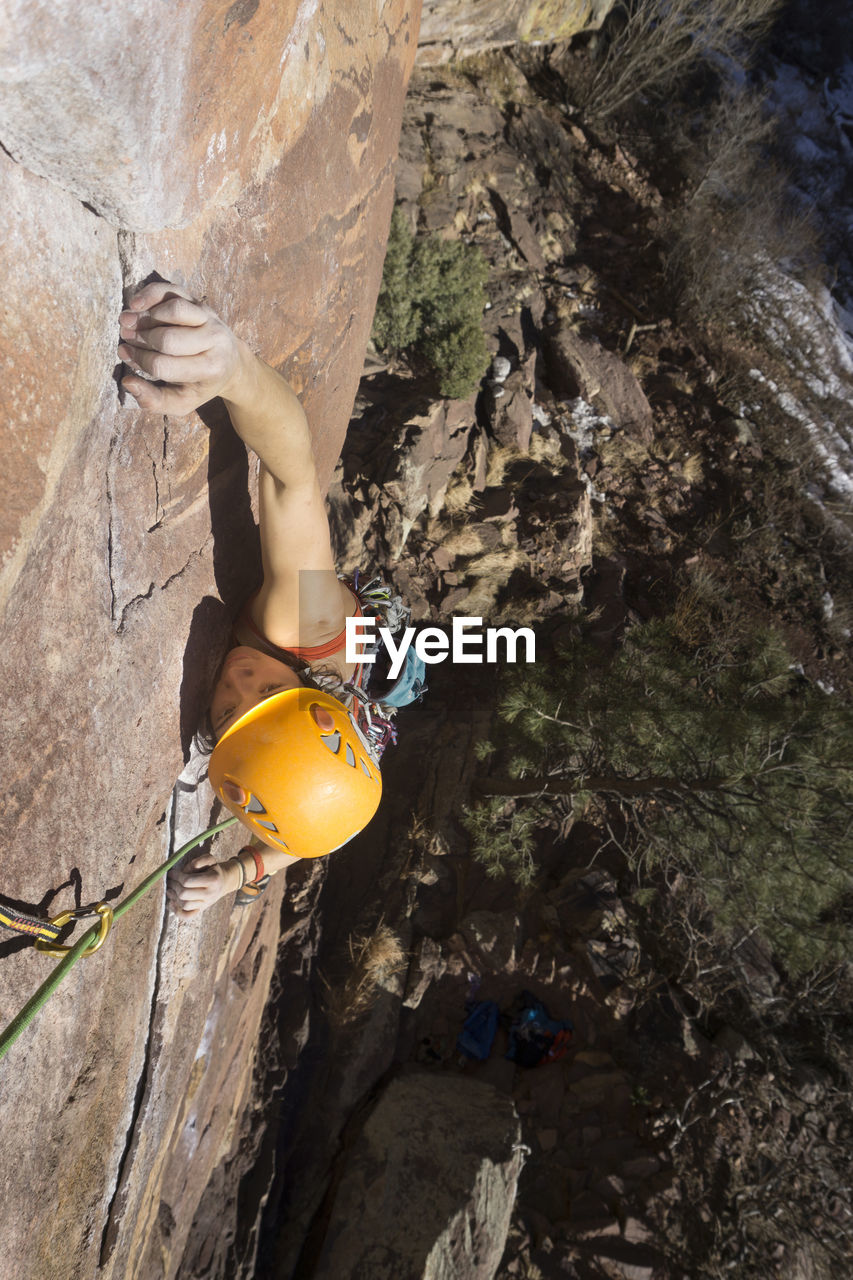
(595, 494)
(583, 426)
(829, 445)
(810, 331)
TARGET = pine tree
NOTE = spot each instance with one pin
(725, 763)
(431, 305)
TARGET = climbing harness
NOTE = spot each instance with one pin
(90, 942)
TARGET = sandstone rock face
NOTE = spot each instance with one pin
(429, 1186)
(96, 102)
(459, 28)
(247, 150)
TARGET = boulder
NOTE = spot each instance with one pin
(248, 152)
(496, 935)
(427, 450)
(458, 28)
(579, 366)
(428, 1187)
(509, 404)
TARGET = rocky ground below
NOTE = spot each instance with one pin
(693, 1127)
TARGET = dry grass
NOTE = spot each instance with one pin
(693, 611)
(523, 611)
(490, 573)
(693, 469)
(607, 536)
(660, 43)
(462, 542)
(481, 601)
(624, 454)
(458, 495)
(377, 961)
(737, 217)
(499, 459)
(546, 449)
(497, 566)
(436, 530)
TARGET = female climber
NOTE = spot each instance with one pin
(298, 729)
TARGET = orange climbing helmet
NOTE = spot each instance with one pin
(297, 770)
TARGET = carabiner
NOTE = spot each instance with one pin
(106, 917)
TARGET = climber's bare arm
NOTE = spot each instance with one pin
(194, 356)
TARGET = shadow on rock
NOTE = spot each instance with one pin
(236, 567)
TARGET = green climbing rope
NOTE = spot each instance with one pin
(23, 1019)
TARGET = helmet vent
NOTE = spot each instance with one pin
(254, 806)
(364, 767)
(350, 756)
(333, 742)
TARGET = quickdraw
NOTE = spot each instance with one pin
(105, 916)
(91, 941)
(32, 926)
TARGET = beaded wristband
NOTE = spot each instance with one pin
(251, 890)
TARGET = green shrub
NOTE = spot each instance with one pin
(396, 322)
(431, 305)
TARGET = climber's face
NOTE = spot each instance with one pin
(247, 677)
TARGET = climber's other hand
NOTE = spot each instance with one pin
(195, 887)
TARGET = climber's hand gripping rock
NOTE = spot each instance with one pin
(196, 886)
(182, 343)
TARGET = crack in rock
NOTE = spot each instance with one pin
(110, 540)
(117, 1202)
(138, 599)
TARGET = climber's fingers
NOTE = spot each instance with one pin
(170, 339)
(172, 369)
(198, 885)
(157, 398)
(180, 907)
(149, 295)
(181, 344)
(201, 860)
(190, 896)
(193, 892)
